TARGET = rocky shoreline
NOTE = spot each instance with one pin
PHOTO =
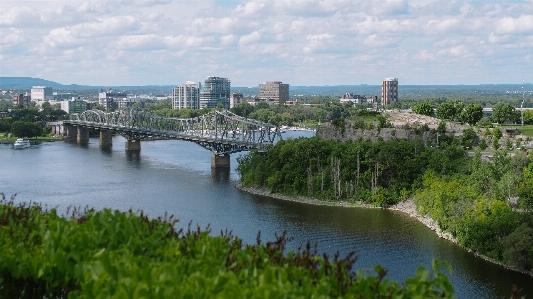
(407, 206)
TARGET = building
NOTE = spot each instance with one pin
(389, 91)
(109, 99)
(40, 94)
(215, 91)
(63, 96)
(21, 99)
(352, 98)
(275, 91)
(234, 99)
(186, 95)
(76, 105)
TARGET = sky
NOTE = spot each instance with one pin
(299, 42)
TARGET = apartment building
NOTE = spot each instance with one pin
(215, 90)
(389, 91)
(186, 95)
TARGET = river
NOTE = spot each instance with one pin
(175, 177)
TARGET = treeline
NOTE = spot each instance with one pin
(274, 114)
(112, 254)
(472, 113)
(477, 201)
(28, 121)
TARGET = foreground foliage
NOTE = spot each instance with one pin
(111, 254)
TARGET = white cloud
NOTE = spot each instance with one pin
(249, 38)
(520, 25)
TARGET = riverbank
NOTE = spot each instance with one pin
(408, 207)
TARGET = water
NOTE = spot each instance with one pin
(176, 177)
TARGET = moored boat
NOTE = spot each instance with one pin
(21, 143)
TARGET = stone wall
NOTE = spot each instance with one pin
(330, 132)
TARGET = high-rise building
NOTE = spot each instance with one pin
(389, 91)
(275, 91)
(186, 95)
(40, 94)
(216, 90)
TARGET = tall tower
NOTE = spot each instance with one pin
(275, 90)
(216, 90)
(389, 91)
(186, 95)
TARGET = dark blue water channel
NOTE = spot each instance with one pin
(175, 177)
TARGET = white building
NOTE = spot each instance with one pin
(234, 99)
(40, 94)
(186, 95)
(216, 91)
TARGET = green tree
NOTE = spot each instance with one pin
(26, 129)
(502, 112)
(519, 247)
(525, 189)
(242, 109)
(483, 144)
(424, 109)
(472, 114)
(468, 137)
(450, 110)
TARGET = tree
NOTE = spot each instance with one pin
(424, 109)
(450, 110)
(472, 114)
(242, 109)
(483, 144)
(468, 137)
(502, 112)
(26, 129)
(519, 247)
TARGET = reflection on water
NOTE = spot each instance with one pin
(221, 175)
(133, 156)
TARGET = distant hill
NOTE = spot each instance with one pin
(28, 83)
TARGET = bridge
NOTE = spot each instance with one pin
(221, 132)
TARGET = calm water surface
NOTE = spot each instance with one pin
(176, 177)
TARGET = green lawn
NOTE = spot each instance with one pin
(526, 129)
(4, 139)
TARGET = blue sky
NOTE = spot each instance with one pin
(300, 42)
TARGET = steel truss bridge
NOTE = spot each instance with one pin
(221, 132)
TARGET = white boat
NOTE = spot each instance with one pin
(21, 143)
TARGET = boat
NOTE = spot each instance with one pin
(21, 143)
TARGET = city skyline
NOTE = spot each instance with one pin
(306, 42)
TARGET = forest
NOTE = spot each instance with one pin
(485, 205)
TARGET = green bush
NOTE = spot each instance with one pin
(112, 254)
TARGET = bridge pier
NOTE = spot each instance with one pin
(83, 135)
(133, 145)
(220, 161)
(106, 138)
(71, 132)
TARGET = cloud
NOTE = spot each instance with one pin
(520, 25)
(140, 42)
(255, 38)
